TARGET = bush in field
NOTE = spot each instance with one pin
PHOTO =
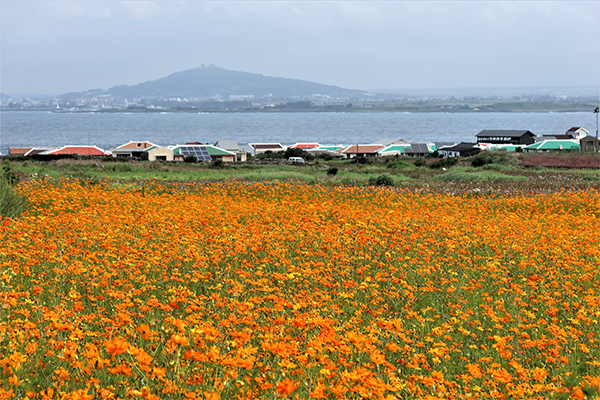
(298, 153)
(398, 164)
(361, 160)
(420, 163)
(488, 157)
(456, 176)
(332, 171)
(444, 163)
(325, 156)
(384, 179)
(7, 174)
(270, 154)
(494, 167)
(218, 163)
(190, 158)
(12, 204)
(481, 159)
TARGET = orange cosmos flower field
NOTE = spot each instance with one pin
(283, 290)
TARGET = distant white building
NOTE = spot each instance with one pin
(577, 133)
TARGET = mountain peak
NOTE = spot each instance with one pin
(210, 81)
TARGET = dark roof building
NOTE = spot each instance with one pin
(463, 149)
(505, 137)
(589, 144)
(418, 150)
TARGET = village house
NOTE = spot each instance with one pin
(589, 144)
(90, 151)
(132, 149)
(505, 137)
(157, 153)
(28, 151)
(419, 149)
(463, 149)
(393, 150)
(359, 150)
(552, 145)
(577, 133)
(232, 146)
(202, 152)
(304, 146)
(257, 148)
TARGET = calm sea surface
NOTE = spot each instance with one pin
(37, 128)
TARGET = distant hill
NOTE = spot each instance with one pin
(213, 81)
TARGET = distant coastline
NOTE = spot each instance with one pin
(497, 107)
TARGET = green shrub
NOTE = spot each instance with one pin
(420, 163)
(591, 178)
(325, 156)
(444, 163)
(120, 167)
(384, 179)
(332, 171)
(12, 204)
(361, 160)
(457, 176)
(480, 160)
(493, 167)
(298, 153)
(217, 163)
(398, 164)
(190, 158)
(270, 154)
(7, 174)
(488, 157)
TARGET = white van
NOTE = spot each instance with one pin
(299, 160)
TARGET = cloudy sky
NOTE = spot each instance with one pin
(50, 46)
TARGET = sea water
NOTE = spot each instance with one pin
(107, 130)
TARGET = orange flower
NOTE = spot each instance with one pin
(286, 386)
(578, 393)
(474, 370)
(144, 331)
(212, 396)
(117, 346)
(318, 392)
(81, 394)
(502, 376)
(377, 357)
(539, 374)
(180, 340)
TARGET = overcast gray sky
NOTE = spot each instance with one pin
(50, 46)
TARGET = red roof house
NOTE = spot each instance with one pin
(360, 150)
(79, 151)
(304, 146)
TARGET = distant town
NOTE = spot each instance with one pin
(213, 89)
(576, 139)
(314, 103)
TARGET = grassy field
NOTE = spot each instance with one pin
(281, 289)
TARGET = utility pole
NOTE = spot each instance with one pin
(597, 111)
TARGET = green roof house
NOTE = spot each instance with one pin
(393, 149)
(552, 145)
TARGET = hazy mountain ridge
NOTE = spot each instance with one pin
(212, 81)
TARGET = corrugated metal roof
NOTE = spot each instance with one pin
(554, 145)
(401, 148)
(504, 133)
(362, 148)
